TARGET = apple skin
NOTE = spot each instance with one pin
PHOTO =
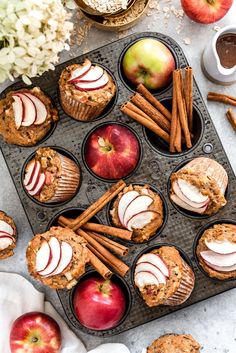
(35, 332)
(99, 304)
(206, 11)
(149, 62)
(119, 155)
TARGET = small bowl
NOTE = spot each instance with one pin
(181, 210)
(195, 244)
(165, 214)
(84, 149)
(65, 153)
(160, 146)
(123, 285)
(89, 10)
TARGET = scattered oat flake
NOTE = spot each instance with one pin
(187, 41)
(217, 28)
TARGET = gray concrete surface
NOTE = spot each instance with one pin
(212, 322)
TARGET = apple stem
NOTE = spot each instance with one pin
(105, 287)
(106, 147)
(34, 339)
(211, 2)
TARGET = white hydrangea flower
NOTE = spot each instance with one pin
(32, 34)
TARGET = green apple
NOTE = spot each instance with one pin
(149, 62)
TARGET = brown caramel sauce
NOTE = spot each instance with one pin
(226, 50)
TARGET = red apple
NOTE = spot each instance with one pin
(35, 332)
(206, 11)
(150, 62)
(99, 304)
(112, 151)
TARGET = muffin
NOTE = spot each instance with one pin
(163, 277)
(200, 186)
(51, 177)
(173, 343)
(216, 251)
(57, 258)
(138, 209)
(26, 116)
(8, 236)
(85, 90)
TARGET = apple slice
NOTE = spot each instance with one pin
(35, 177)
(156, 261)
(222, 260)
(80, 71)
(141, 219)
(29, 110)
(124, 202)
(147, 267)
(38, 187)
(136, 206)
(30, 172)
(182, 197)
(41, 111)
(4, 234)
(143, 279)
(221, 268)
(43, 256)
(187, 207)
(66, 257)
(18, 110)
(6, 228)
(94, 74)
(92, 86)
(221, 247)
(191, 192)
(55, 248)
(5, 241)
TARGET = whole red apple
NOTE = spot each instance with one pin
(99, 304)
(35, 332)
(112, 151)
(149, 62)
(206, 11)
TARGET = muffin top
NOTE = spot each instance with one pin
(57, 258)
(87, 83)
(172, 343)
(216, 251)
(26, 116)
(8, 235)
(139, 209)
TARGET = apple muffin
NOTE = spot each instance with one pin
(216, 251)
(140, 210)
(85, 90)
(200, 186)
(57, 258)
(163, 277)
(8, 236)
(51, 177)
(173, 343)
(26, 116)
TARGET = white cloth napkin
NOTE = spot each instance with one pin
(18, 296)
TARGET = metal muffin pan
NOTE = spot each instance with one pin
(155, 169)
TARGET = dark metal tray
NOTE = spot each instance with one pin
(155, 169)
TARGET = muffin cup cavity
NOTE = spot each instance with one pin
(116, 279)
(84, 146)
(66, 186)
(195, 244)
(165, 214)
(162, 147)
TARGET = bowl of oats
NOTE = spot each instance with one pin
(104, 7)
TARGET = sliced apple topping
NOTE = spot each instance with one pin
(43, 256)
(41, 111)
(186, 206)
(35, 179)
(143, 279)
(80, 71)
(6, 228)
(17, 106)
(55, 248)
(5, 241)
(148, 267)
(140, 220)
(156, 261)
(93, 85)
(29, 110)
(66, 257)
(221, 260)
(221, 247)
(139, 204)
(124, 202)
(94, 74)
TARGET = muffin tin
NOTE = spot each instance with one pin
(155, 169)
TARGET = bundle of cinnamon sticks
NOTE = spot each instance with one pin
(99, 245)
(227, 99)
(174, 127)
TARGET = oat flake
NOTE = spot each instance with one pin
(107, 6)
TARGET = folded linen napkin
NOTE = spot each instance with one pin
(18, 296)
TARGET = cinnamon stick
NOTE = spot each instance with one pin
(155, 102)
(174, 119)
(152, 112)
(188, 87)
(181, 109)
(110, 244)
(96, 206)
(113, 231)
(151, 126)
(97, 264)
(223, 98)
(232, 118)
(135, 109)
(178, 138)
